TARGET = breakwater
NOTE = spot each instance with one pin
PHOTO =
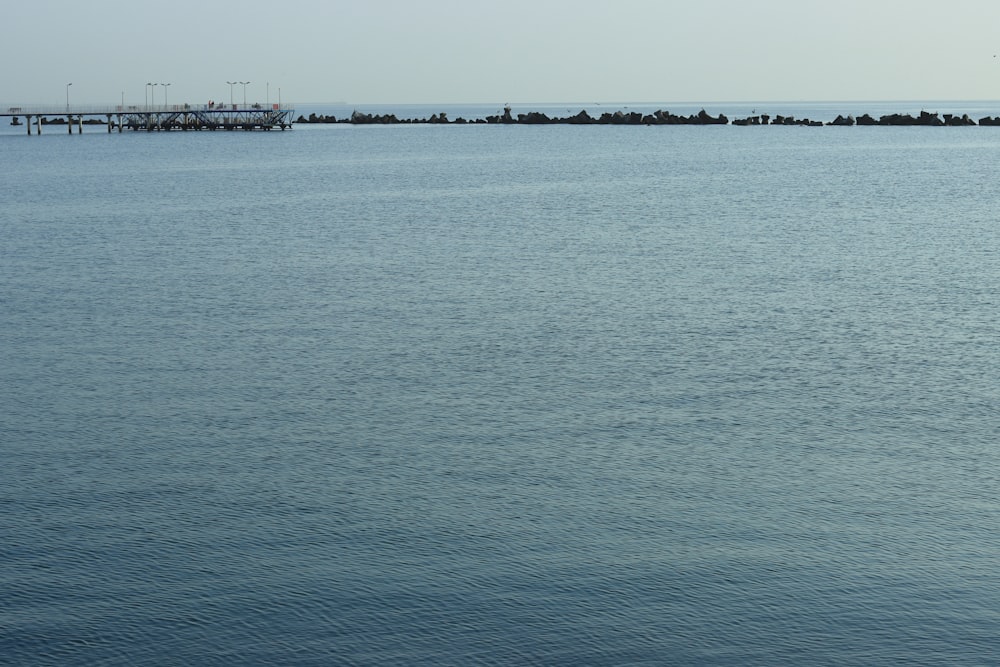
(661, 117)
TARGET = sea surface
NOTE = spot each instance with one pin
(501, 395)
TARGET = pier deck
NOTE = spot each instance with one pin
(160, 117)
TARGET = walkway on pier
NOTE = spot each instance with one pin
(161, 117)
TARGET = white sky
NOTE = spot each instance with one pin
(519, 51)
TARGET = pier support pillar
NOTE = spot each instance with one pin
(39, 126)
(28, 123)
(69, 124)
(79, 126)
(120, 123)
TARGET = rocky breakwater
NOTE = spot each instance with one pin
(617, 118)
(924, 119)
(531, 118)
(765, 119)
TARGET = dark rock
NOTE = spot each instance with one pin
(931, 119)
(956, 121)
(533, 118)
(926, 119)
(621, 118)
(582, 118)
(843, 122)
(753, 120)
(705, 119)
(506, 118)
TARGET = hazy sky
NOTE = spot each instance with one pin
(453, 51)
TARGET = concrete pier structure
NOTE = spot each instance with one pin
(162, 117)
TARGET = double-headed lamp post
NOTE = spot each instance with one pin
(67, 96)
(231, 84)
(244, 93)
(165, 103)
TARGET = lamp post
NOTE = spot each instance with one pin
(244, 93)
(165, 103)
(152, 94)
(146, 94)
(231, 84)
(67, 96)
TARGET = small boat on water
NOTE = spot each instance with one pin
(15, 121)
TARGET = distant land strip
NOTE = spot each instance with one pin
(925, 119)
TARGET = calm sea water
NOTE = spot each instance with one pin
(425, 395)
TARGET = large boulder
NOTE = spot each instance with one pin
(926, 119)
(705, 119)
(958, 121)
(843, 122)
(582, 118)
(533, 118)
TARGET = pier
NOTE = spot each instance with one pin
(150, 118)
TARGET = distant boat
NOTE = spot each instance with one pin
(15, 121)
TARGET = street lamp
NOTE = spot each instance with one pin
(67, 96)
(146, 92)
(152, 94)
(244, 93)
(231, 84)
(165, 103)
